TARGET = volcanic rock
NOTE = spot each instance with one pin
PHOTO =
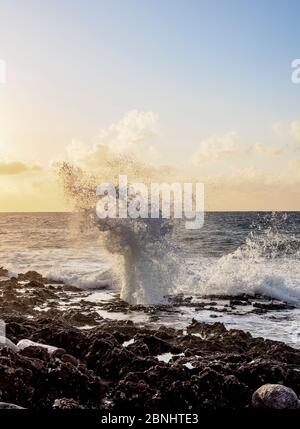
(275, 396)
(5, 342)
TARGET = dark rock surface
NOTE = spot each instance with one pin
(224, 367)
(208, 366)
(275, 396)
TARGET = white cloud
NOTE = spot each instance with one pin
(220, 148)
(134, 129)
(130, 137)
(216, 148)
(267, 150)
(125, 147)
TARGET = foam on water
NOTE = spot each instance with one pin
(267, 263)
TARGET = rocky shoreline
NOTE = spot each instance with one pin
(118, 364)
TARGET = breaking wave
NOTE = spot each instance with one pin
(267, 263)
(150, 261)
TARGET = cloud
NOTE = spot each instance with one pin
(267, 151)
(14, 168)
(288, 130)
(124, 147)
(131, 131)
(278, 129)
(129, 137)
(216, 148)
(295, 131)
(37, 193)
(294, 165)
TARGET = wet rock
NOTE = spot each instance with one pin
(70, 288)
(237, 302)
(241, 297)
(69, 359)
(259, 311)
(273, 305)
(157, 346)
(79, 318)
(227, 365)
(52, 350)
(34, 284)
(35, 352)
(9, 285)
(3, 272)
(204, 329)
(5, 342)
(48, 331)
(67, 404)
(31, 276)
(36, 383)
(107, 357)
(275, 396)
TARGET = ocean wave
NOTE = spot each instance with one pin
(266, 263)
(86, 280)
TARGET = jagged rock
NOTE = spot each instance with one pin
(36, 383)
(275, 396)
(67, 404)
(3, 272)
(78, 318)
(30, 275)
(204, 329)
(52, 350)
(237, 302)
(226, 366)
(36, 353)
(69, 359)
(5, 342)
(273, 305)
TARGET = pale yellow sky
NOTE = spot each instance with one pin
(238, 175)
(85, 81)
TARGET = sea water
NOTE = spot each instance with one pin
(234, 253)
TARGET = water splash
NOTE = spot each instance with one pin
(267, 263)
(142, 251)
(273, 236)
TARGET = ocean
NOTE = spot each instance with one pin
(234, 253)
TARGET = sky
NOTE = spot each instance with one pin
(203, 86)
